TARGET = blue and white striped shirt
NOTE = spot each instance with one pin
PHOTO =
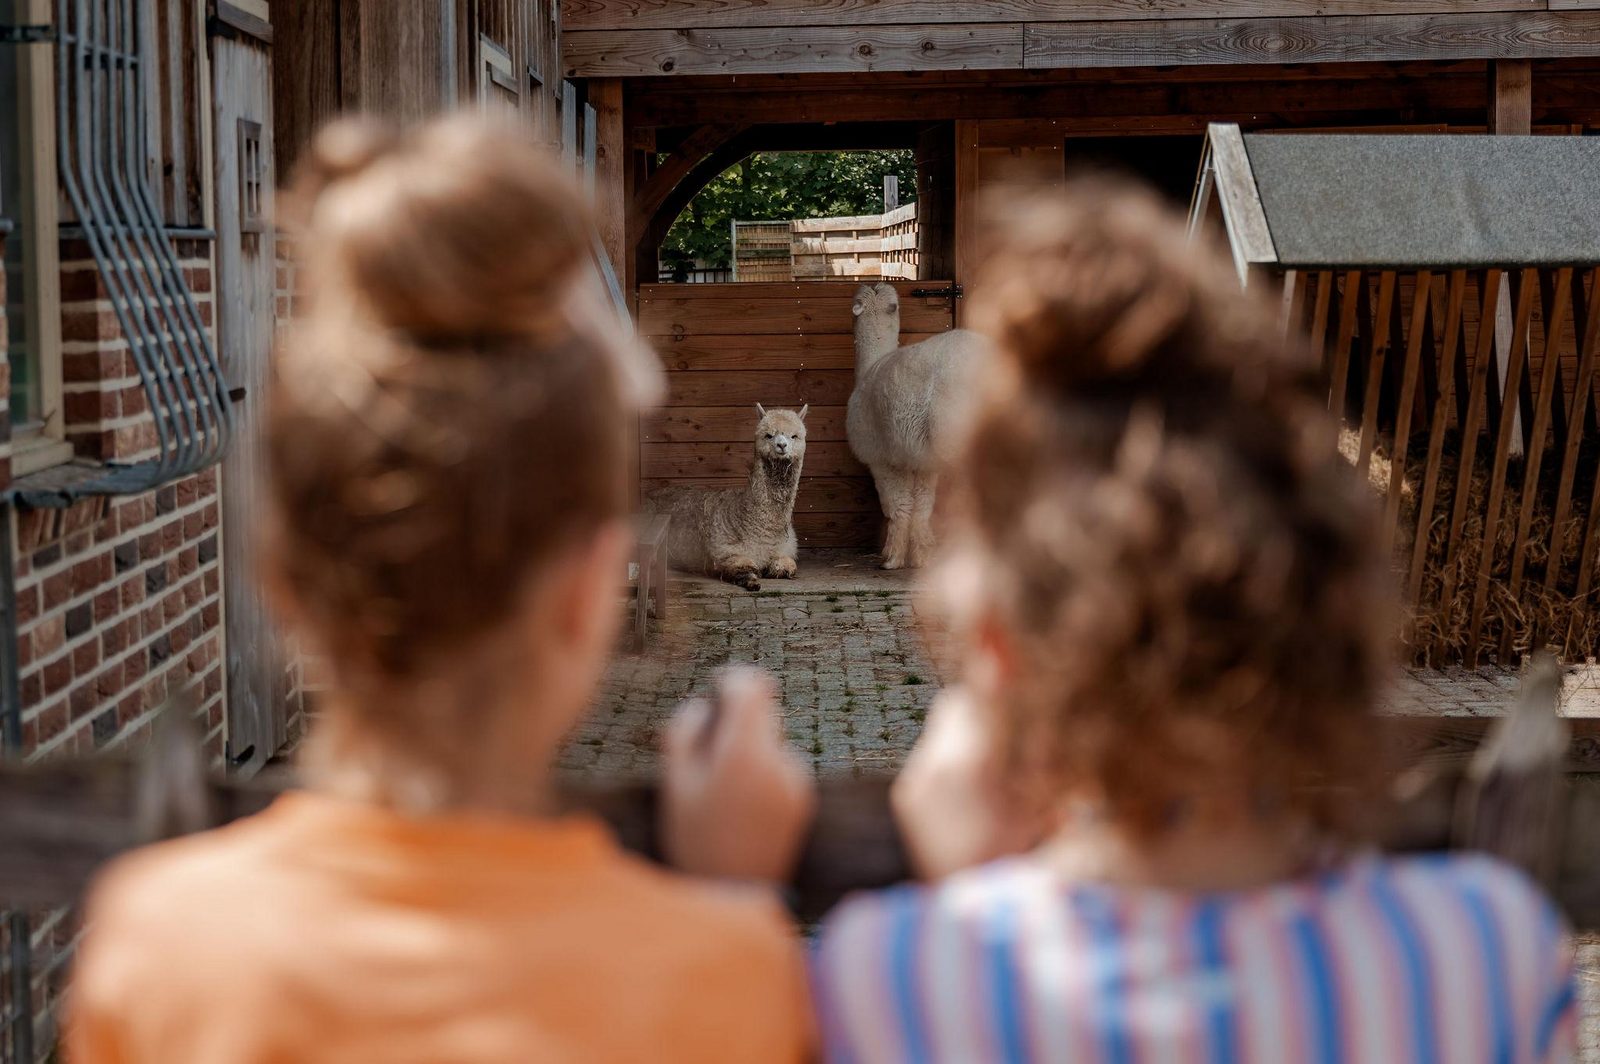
(1444, 960)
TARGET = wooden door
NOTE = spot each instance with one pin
(727, 347)
(241, 96)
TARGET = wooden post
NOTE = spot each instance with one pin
(1511, 97)
(610, 172)
(966, 209)
(1510, 114)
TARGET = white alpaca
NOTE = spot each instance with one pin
(902, 415)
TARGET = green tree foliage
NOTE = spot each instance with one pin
(782, 185)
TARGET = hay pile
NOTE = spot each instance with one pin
(1437, 631)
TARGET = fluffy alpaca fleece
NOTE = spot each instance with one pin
(902, 415)
(742, 534)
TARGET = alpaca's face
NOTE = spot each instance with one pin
(781, 435)
(877, 301)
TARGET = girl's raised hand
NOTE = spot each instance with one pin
(736, 801)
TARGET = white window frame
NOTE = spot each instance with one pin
(40, 447)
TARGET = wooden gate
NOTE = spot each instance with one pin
(242, 94)
(727, 347)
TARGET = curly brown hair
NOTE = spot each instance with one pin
(1187, 569)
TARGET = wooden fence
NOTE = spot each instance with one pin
(1470, 403)
(865, 247)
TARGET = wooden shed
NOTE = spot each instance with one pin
(1449, 286)
(978, 90)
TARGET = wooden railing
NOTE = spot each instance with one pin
(1470, 402)
(866, 247)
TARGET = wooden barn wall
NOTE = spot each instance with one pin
(727, 347)
(408, 59)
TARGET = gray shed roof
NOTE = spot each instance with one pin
(1428, 201)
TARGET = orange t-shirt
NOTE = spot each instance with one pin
(327, 930)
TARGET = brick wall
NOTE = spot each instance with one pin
(119, 600)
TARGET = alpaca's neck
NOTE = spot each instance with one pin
(875, 339)
(773, 485)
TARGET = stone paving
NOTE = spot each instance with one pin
(844, 642)
(852, 656)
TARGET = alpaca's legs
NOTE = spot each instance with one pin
(921, 534)
(894, 492)
(740, 569)
(783, 567)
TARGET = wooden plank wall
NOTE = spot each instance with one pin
(643, 38)
(728, 347)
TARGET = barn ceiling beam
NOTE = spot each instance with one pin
(600, 15)
(1467, 29)
(1559, 96)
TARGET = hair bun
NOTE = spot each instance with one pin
(1090, 288)
(455, 231)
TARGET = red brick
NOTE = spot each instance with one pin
(85, 658)
(81, 515)
(133, 401)
(213, 684)
(211, 615)
(135, 666)
(189, 561)
(35, 528)
(87, 324)
(80, 285)
(95, 366)
(108, 685)
(171, 536)
(57, 589)
(114, 639)
(48, 636)
(52, 721)
(188, 491)
(86, 408)
(27, 605)
(132, 591)
(106, 604)
(56, 677)
(213, 581)
(83, 700)
(31, 689)
(91, 573)
(128, 708)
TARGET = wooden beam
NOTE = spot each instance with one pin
(652, 53)
(677, 166)
(1185, 42)
(1242, 213)
(1294, 96)
(610, 166)
(581, 15)
(965, 239)
(1511, 96)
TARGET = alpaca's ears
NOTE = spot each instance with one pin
(804, 410)
(856, 308)
(761, 410)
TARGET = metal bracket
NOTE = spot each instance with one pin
(42, 34)
(954, 291)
